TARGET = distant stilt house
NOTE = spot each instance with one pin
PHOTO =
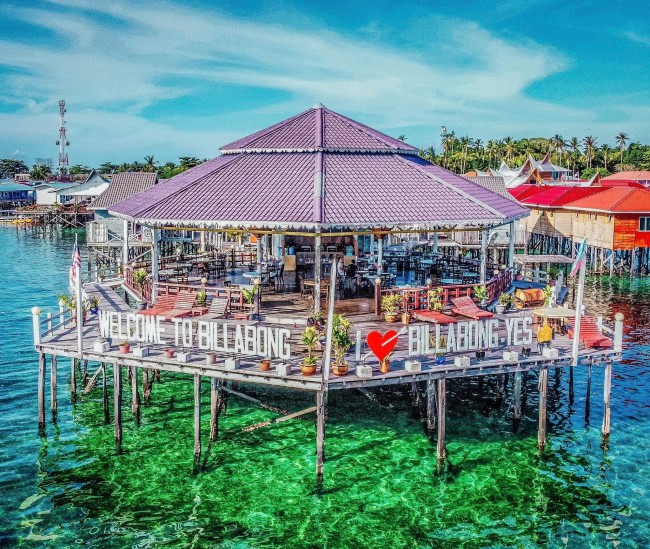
(49, 193)
(530, 172)
(614, 219)
(14, 193)
(107, 234)
(93, 186)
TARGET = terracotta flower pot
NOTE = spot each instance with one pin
(125, 349)
(308, 369)
(340, 369)
(210, 358)
(265, 365)
(384, 366)
(170, 353)
(390, 318)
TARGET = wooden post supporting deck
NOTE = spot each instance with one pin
(442, 410)
(197, 421)
(588, 396)
(107, 415)
(571, 393)
(73, 379)
(607, 394)
(215, 409)
(543, 387)
(320, 435)
(53, 383)
(516, 397)
(146, 388)
(135, 397)
(117, 405)
(431, 407)
(41, 391)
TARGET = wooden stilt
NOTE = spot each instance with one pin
(215, 406)
(41, 391)
(197, 421)
(607, 393)
(135, 397)
(442, 410)
(107, 415)
(146, 388)
(73, 379)
(588, 396)
(85, 374)
(543, 387)
(571, 393)
(431, 407)
(117, 405)
(320, 436)
(53, 387)
(516, 396)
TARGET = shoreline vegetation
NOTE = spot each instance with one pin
(459, 154)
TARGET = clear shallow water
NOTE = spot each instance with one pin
(257, 488)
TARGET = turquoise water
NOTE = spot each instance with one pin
(257, 489)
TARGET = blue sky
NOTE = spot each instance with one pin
(182, 78)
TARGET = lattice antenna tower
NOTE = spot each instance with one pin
(63, 143)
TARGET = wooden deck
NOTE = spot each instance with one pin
(289, 311)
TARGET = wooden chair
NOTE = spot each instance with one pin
(436, 317)
(183, 305)
(218, 309)
(530, 298)
(164, 303)
(465, 306)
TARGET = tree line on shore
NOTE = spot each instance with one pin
(459, 154)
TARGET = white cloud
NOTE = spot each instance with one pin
(120, 57)
(638, 38)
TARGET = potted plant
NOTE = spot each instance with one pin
(309, 340)
(481, 294)
(548, 293)
(70, 302)
(435, 299)
(169, 353)
(265, 364)
(341, 342)
(441, 350)
(480, 355)
(140, 278)
(319, 320)
(201, 298)
(384, 365)
(389, 305)
(125, 347)
(210, 358)
(504, 302)
(525, 352)
(249, 295)
(93, 304)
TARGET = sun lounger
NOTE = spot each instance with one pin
(183, 305)
(163, 304)
(218, 309)
(590, 334)
(436, 317)
(465, 306)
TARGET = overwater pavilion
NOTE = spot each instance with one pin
(317, 175)
(322, 176)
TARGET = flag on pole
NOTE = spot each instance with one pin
(580, 258)
(75, 267)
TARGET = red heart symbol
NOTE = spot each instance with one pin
(382, 345)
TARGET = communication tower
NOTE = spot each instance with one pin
(63, 143)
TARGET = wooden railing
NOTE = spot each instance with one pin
(144, 293)
(417, 297)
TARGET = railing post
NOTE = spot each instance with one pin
(36, 322)
(377, 296)
(618, 332)
(61, 314)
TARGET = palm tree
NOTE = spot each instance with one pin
(108, 167)
(40, 172)
(402, 138)
(478, 147)
(149, 164)
(590, 148)
(574, 145)
(557, 142)
(510, 148)
(605, 150)
(621, 140)
(465, 144)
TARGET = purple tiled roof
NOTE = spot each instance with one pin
(274, 181)
(318, 128)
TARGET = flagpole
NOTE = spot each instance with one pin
(79, 305)
(576, 324)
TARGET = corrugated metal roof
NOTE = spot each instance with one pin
(274, 186)
(123, 186)
(615, 200)
(494, 183)
(643, 175)
(317, 128)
